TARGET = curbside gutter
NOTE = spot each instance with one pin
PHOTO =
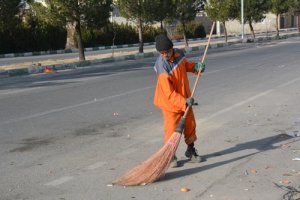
(56, 67)
(12, 55)
(64, 51)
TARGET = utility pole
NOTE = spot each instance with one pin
(242, 18)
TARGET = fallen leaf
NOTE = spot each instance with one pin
(253, 171)
(287, 175)
(285, 181)
(184, 189)
(268, 167)
(284, 146)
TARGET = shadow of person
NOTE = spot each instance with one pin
(261, 145)
(186, 172)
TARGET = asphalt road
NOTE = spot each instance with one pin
(68, 135)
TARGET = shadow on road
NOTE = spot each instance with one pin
(261, 145)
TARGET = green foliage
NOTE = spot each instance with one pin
(46, 15)
(150, 32)
(294, 7)
(26, 39)
(124, 34)
(33, 33)
(279, 6)
(90, 12)
(194, 30)
(221, 10)
(8, 13)
(136, 10)
(255, 10)
(163, 9)
(186, 10)
(141, 12)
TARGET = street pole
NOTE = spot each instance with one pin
(242, 18)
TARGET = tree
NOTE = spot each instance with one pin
(294, 9)
(254, 11)
(185, 12)
(220, 10)
(46, 16)
(8, 12)
(93, 13)
(278, 7)
(163, 10)
(139, 11)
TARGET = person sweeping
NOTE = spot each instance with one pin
(174, 97)
(172, 94)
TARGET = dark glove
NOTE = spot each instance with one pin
(200, 66)
(189, 101)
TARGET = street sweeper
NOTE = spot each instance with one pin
(173, 95)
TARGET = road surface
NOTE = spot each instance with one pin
(69, 134)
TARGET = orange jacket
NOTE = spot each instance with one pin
(172, 86)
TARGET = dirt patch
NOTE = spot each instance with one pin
(31, 143)
(87, 131)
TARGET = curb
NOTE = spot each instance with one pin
(39, 53)
(64, 51)
(56, 67)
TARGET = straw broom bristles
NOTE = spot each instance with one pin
(154, 168)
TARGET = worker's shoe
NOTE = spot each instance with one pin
(174, 163)
(192, 154)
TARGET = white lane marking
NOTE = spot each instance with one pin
(220, 112)
(14, 91)
(96, 165)
(79, 81)
(59, 181)
(227, 109)
(96, 100)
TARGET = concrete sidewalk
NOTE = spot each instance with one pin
(64, 64)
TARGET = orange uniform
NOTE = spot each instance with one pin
(171, 92)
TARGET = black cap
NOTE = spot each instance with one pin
(163, 43)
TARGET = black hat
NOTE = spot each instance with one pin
(163, 43)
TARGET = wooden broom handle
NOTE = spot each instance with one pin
(199, 73)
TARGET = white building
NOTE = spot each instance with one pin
(42, 2)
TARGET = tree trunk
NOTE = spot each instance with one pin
(70, 43)
(184, 35)
(277, 25)
(79, 41)
(299, 22)
(225, 32)
(141, 42)
(252, 30)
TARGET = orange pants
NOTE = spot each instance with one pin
(171, 120)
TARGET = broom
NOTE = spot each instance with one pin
(156, 166)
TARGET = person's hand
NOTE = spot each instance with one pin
(189, 101)
(199, 66)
